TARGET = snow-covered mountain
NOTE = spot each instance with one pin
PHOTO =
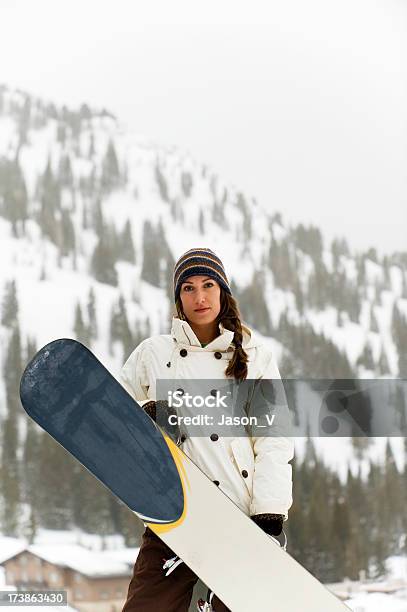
(62, 169)
(88, 208)
(92, 219)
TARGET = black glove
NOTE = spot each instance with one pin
(272, 524)
(159, 411)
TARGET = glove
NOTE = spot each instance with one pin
(159, 411)
(272, 524)
(150, 409)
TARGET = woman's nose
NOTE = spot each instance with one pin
(200, 297)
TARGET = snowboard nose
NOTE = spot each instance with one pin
(73, 397)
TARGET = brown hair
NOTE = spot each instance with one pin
(230, 318)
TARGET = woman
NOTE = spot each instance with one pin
(208, 340)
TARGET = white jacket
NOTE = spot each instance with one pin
(254, 472)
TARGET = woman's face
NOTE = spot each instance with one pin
(200, 297)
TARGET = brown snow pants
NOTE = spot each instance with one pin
(150, 590)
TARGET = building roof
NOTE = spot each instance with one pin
(94, 564)
(10, 547)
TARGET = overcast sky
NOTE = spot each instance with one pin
(300, 103)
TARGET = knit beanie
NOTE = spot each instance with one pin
(199, 262)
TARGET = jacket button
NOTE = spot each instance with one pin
(183, 438)
(218, 355)
(245, 473)
(216, 482)
(214, 437)
(214, 392)
(183, 352)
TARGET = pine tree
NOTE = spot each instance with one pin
(90, 504)
(31, 528)
(87, 184)
(404, 285)
(13, 367)
(161, 182)
(50, 203)
(61, 133)
(13, 192)
(9, 310)
(386, 273)
(169, 264)
(252, 302)
(392, 498)
(80, 330)
(186, 183)
(91, 151)
(280, 261)
(299, 296)
(103, 262)
(110, 178)
(126, 248)
(31, 456)
(150, 271)
(65, 175)
(85, 216)
(131, 527)
(98, 223)
(374, 327)
(92, 318)
(201, 222)
(24, 122)
(361, 271)
(30, 349)
(337, 252)
(120, 328)
(366, 358)
(399, 333)
(9, 477)
(67, 234)
(55, 487)
(309, 240)
(383, 365)
(372, 255)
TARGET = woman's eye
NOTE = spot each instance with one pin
(187, 287)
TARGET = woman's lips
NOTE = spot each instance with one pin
(202, 310)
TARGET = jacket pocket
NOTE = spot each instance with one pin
(243, 454)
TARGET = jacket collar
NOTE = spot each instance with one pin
(183, 333)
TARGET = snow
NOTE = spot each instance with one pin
(397, 567)
(396, 277)
(10, 547)
(374, 272)
(90, 563)
(89, 554)
(338, 453)
(84, 553)
(378, 602)
(47, 306)
(7, 135)
(55, 297)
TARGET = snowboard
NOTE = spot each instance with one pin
(73, 397)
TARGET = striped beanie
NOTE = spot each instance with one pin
(199, 262)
